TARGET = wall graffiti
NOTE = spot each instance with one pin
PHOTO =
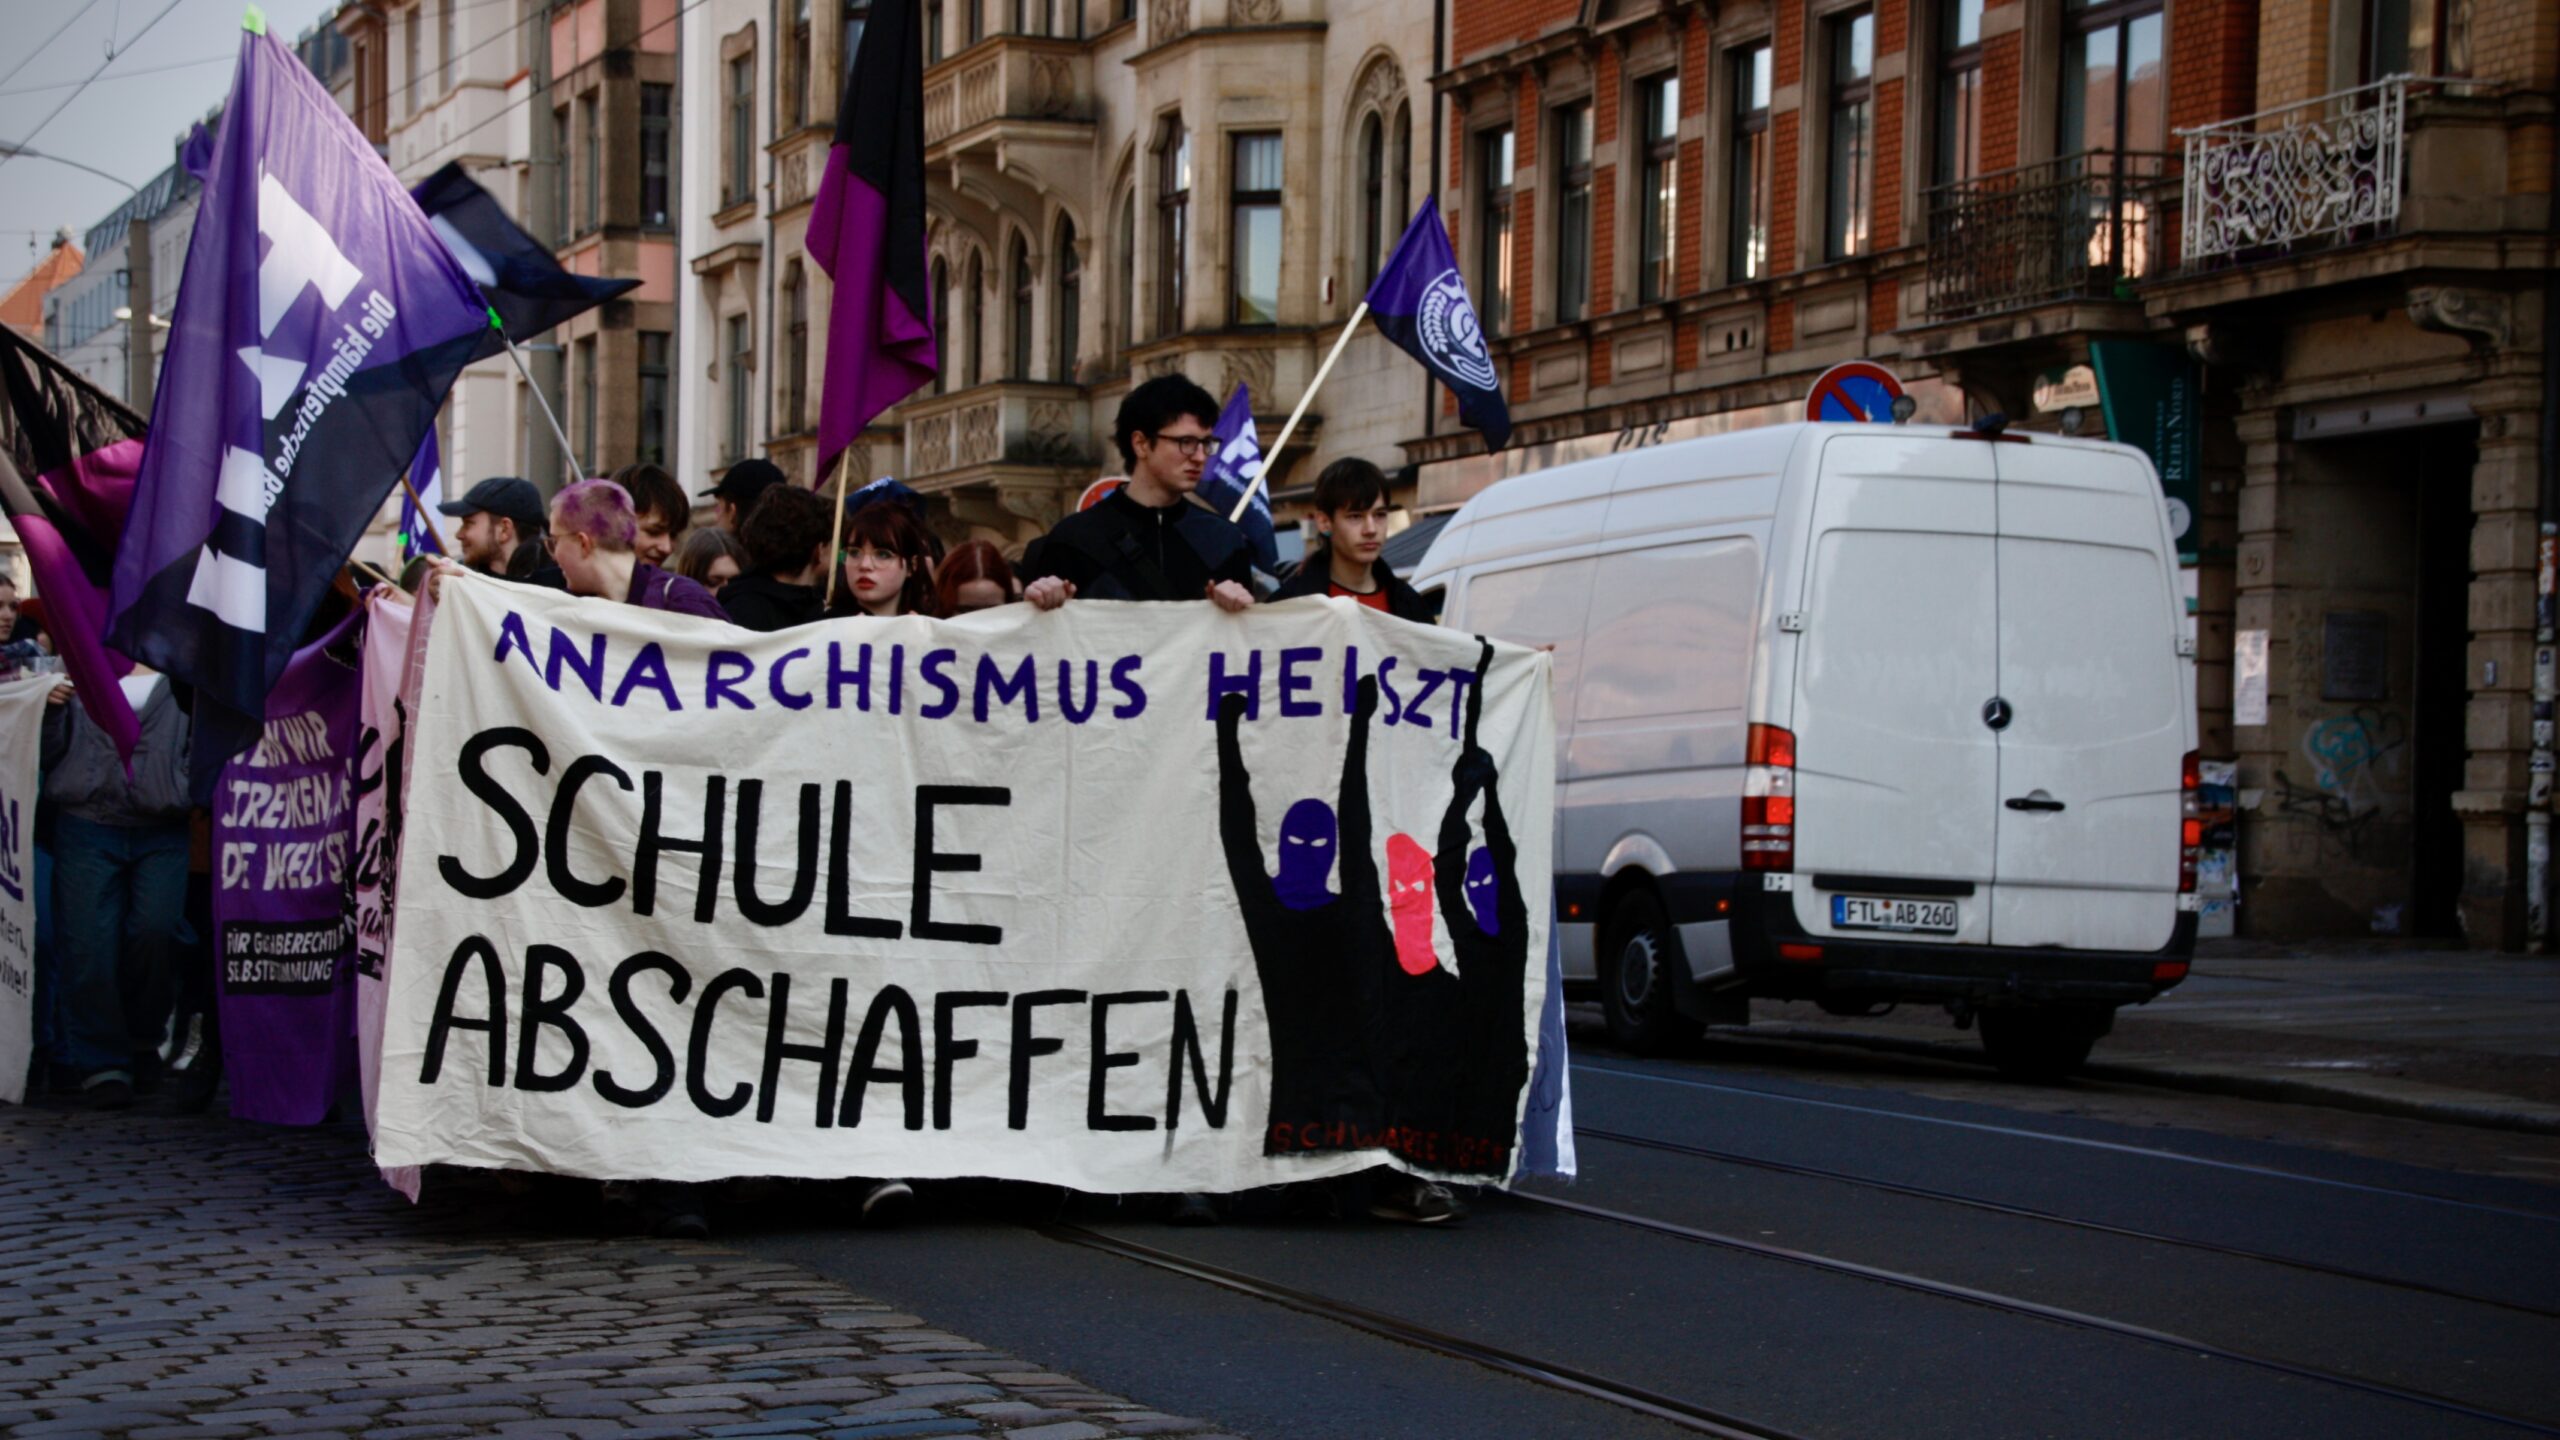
(2357, 757)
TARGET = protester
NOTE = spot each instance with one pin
(502, 528)
(594, 541)
(786, 539)
(664, 510)
(740, 487)
(120, 884)
(974, 576)
(1351, 517)
(711, 557)
(1146, 540)
(888, 565)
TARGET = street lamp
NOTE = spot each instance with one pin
(125, 313)
(11, 151)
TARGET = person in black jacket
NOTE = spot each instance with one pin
(1146, 540)
(786, 538)
(1351, 520)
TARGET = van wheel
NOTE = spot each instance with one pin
(2043, 1043)
(1635, 979)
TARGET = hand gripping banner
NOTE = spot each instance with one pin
(1122, 897)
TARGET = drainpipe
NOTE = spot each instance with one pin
(2546, 625)
(1439, 143)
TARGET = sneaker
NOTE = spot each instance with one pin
(1415, 1202)
(111, 1093)
(1192, 1209)
(886, 1202)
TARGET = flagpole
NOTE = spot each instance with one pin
(426, 517)
(835, 545)
(557, 432)
(1243, 502)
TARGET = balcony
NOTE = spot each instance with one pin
(1029, 84)
(2321, 173)
(2078, 227)
(1013, 423)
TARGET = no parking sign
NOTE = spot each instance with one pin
(1854, 390)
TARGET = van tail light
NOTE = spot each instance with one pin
(1769, 800)
(2190, 823)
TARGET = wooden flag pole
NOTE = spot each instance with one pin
(835, 545)
(1245, 501)
(425, 515)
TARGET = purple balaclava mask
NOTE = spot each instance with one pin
(1484, 891)
(1307, 836)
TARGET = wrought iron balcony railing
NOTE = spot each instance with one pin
(2076, 227)
(2322, 172)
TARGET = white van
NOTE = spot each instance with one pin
(1858, 714)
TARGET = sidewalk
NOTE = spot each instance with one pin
(209, 1279)
(2462, 1036)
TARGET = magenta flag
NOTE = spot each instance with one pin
(867, 232)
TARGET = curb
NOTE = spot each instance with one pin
(2206, 1080)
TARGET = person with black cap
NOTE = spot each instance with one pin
(740, 487)
(503, 526)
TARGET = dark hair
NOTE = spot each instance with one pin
(693, 558)
(652, 488)
(971, 561)
(786, 528)
(895, 529)
(1349, 484)
(1156, 404)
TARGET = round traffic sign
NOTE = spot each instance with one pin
(1095, 493)
(1853, 390)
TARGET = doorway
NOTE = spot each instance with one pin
(2439, 460)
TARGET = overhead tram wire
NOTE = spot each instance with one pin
(503, 111)
(46, 43)
(18, 146)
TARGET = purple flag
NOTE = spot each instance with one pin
(319, 323)
(283, 843)
(1234, 460)
(418, 533)
(867, 232)
(1420, 302)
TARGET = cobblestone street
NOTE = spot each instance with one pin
(206, 1278)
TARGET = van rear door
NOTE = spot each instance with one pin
(1897, 777)
(2091, 759)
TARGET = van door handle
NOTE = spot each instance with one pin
(2037, 801)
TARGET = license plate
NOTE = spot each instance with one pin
(1874, 912)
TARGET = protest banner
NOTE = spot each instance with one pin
(388, 621)
(1119, 897)
(283, 850)
(21, 745)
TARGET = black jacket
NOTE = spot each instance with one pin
(1122, 550)
(1315, 577)
(758, 601)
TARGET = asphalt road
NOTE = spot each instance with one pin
(1790, 1249)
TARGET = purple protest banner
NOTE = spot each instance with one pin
(283, 843)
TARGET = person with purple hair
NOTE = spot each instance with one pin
(593, 531)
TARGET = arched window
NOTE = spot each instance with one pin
(1400, 173)
(1373, 195)
(795, 354)
(1128, 267)
(973, 315)
(1069, 324)
(1023, 297)
(941, 325)
(1173, 224)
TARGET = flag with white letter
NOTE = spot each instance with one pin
(319, 324)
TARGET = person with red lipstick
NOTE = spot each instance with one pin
(888, 565)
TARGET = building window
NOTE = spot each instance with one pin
(1658, 187)
(932, 31)
(1373, 195)
(2114, 92)
(1573, 211)
(1025, 296)
(1747, 245)
(409, 47)
(941, 324)
(742, 358)
(1127, 10)
(591, 202)
(973, 316)
(656, 351)
(444, 44)
(1493, 237)
(1128, 267)
(586, 455)
(1959, 90)
(1070, 319)
(1254, 228)
(977, 20)
(560, 154)
(738, 174)
(857, 18)
(1400, 173)
(795, 68)
(657, 155)
(795, 349)
(1173, 225)
(1850, 160)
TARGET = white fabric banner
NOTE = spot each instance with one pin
(21, 746)
(1123, 897)
(387, 626)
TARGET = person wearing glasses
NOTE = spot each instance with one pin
(1146, 540)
